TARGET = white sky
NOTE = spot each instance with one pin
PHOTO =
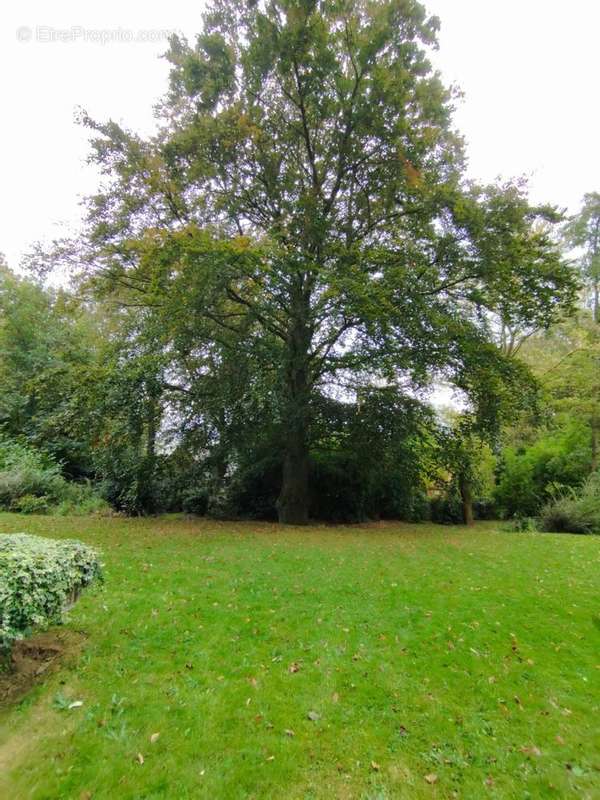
(528, 68)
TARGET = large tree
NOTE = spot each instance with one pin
(583, 232)
(305, 196)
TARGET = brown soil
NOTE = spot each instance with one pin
(35, 658)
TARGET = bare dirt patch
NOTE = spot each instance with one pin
(33, 659)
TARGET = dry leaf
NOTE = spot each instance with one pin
(289, 732)
(431, 778)
(313, 716)
(531, 750)
(335, 697)
(140, 758)
(375, 766)
(76, 704)
(154, 737)
(559, 739)
(294, 667)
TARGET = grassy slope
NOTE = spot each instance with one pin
(469, 655)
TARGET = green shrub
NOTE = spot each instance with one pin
(447, 508)
(39, 578)
(574, 511)
(31, 483)
(82, 499)
(30, 504)
(527, 475)
(29, 480)
(520, 524)
(24, 480)
(195, 501)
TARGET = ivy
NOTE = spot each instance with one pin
(39, 579)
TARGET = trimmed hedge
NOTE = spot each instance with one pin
(39, 579)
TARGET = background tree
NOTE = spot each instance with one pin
(583, 231)
(47, 341)
(562, 448)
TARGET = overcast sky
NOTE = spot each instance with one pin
(528, 68)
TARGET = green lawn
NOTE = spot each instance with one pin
(390, 661)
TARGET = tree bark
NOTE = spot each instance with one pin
(467, 500)
(294, 500)
(293, 503)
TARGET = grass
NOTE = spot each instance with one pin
(370, 662)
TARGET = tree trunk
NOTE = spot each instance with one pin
(294, 499)
(595, 445)
(467, 500)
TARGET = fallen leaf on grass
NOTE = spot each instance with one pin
(335, 697)
(313, 716)
(431, 778)
(140, 758)
(559, 739)
(289, 732)
(531, 750)
(375, 766)
(154, 737)
(75, 704)
(294, 667)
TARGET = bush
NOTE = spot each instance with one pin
(254, 489)
(195, 501)
(520, 524)
(30, 504)
(485, 508)
(527, 476)
(82, 499)
(27, 480)
(446, 509)
(39, 578)
(574, 511)
(31, 483)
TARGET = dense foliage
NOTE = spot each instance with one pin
(32, 482)
(303, 213)
(265, 292)
(574, 511)
(39, 578)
